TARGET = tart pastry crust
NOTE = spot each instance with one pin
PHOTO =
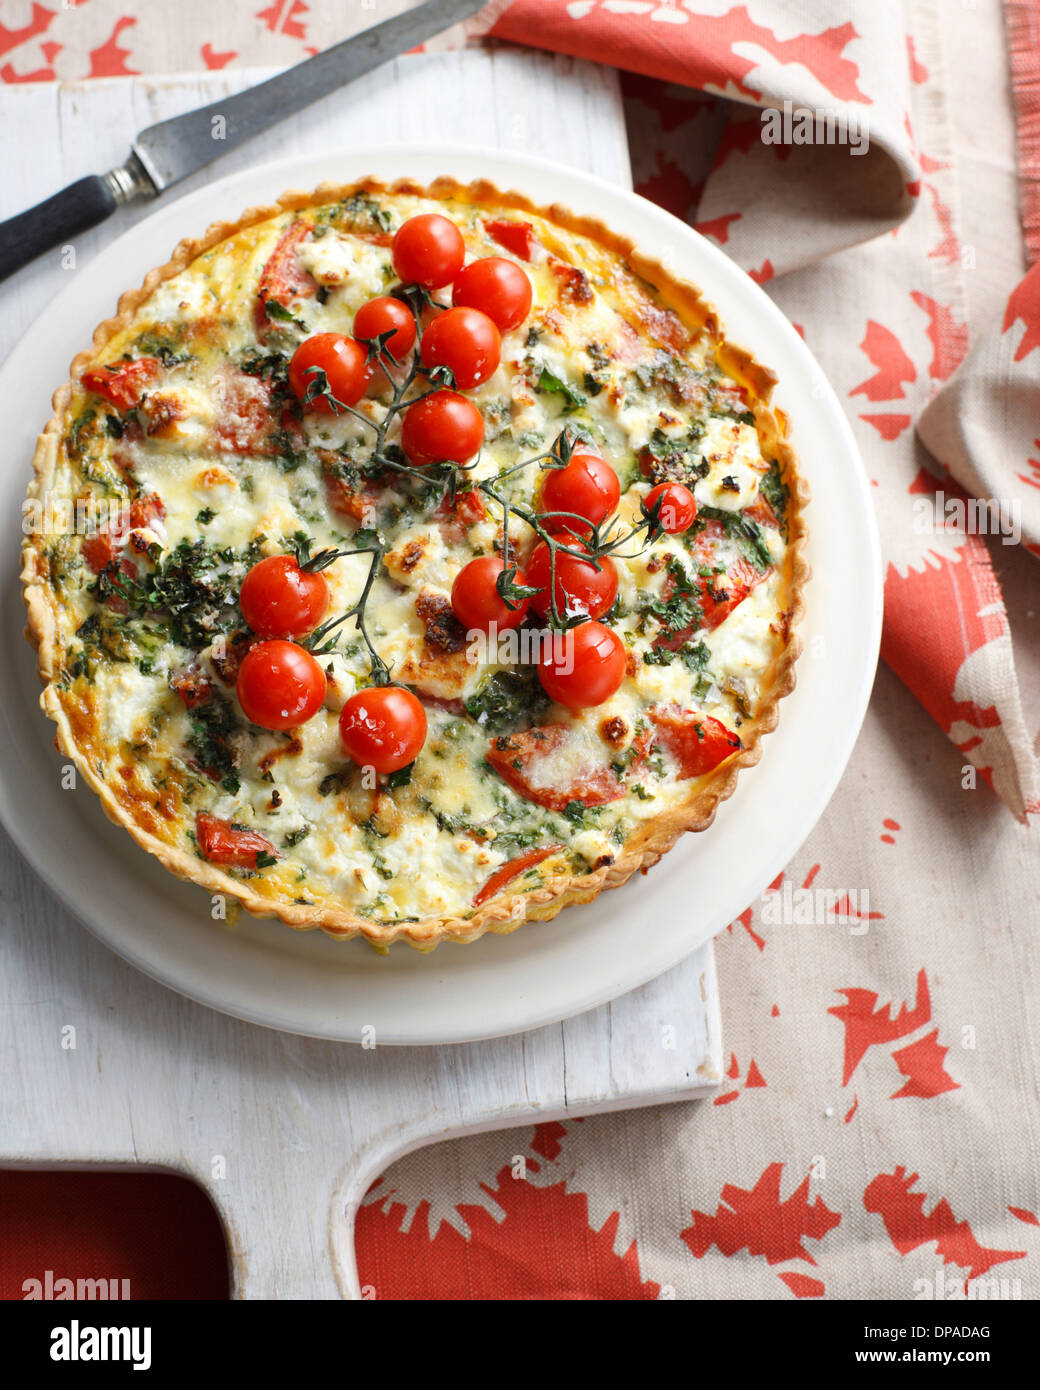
(134, 807)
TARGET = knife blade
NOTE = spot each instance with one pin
(169, 151)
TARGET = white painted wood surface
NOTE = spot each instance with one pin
(285, 1133)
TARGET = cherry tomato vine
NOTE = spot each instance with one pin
(601, 540)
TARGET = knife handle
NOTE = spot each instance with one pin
(56, 220)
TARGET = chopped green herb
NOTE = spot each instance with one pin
(739, 528)
(334, 782)
(670, 374)
(287, 456)
(508, 700)
(79, 431)
(676, 458)
(164, 346)
(361, 212)
(550, 384)
(279, 313)
(681, 610)
(777, 494)
(196, 585)
(212, 725)
(508, 840)
(692, 655)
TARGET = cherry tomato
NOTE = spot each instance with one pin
(383, 727)
(344, 362)
(476, 600)
(678, 507)
(496, 286)
(443, 427)
(280, 686)
(279, 599)
(428, 250)
(586, 485)
(591, 670)
(580, 586)
(378, 316)
(466, 341)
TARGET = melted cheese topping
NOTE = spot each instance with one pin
(242, 472)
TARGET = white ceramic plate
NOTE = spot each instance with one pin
(305, 982)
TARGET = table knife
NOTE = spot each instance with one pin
(169, 151)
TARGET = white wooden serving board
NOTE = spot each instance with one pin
(99, 1064)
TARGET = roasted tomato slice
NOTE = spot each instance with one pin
(517, 237)
(718, 594)
(100, 549)
(249, 417)
(145, 510)
(696, 741)
(283, 279)
(455, 520)
(761, 512)
(223, 843)
(226, 659)
(507, 872)
(721, 594)
(357, 503)
(519, 758)
(110, 594)
(574, 286)
(124, 385)
(192, 686)
(244, 410)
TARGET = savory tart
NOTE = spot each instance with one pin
(413, 561)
